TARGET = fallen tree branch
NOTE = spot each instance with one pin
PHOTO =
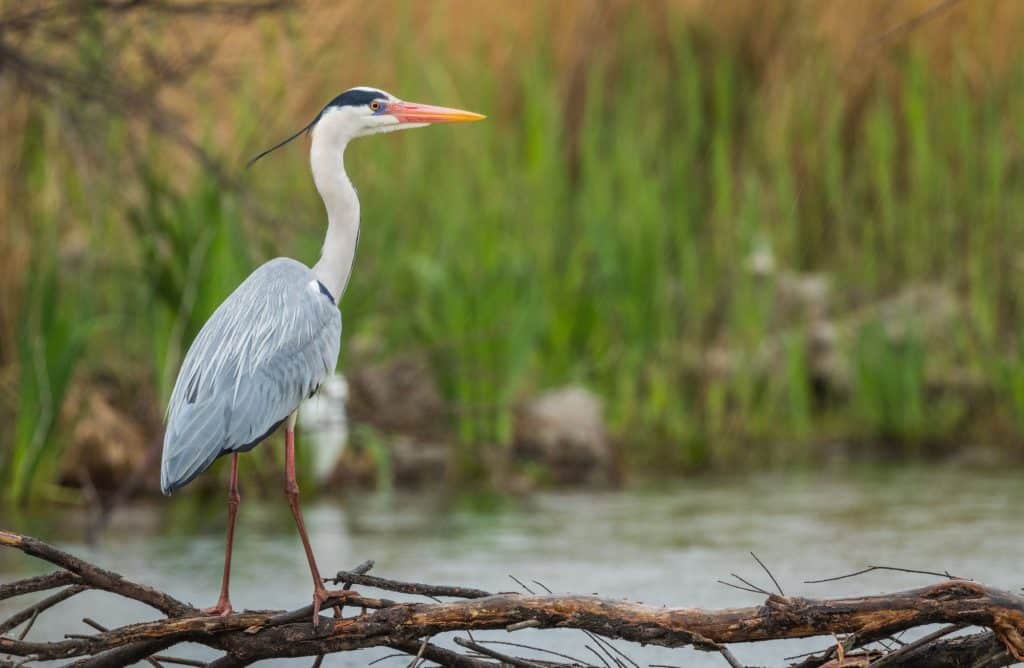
(407, 627)
(94, 576)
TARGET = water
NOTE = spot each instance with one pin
(661, 544)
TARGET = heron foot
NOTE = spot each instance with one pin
(222, 609)
(337, 597)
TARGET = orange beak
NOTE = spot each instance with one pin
(411, 112)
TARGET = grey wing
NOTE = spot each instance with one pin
(263, 351)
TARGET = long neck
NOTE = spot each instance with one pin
(342, 206)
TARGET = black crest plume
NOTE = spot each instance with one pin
(353, 97)
(280, 144)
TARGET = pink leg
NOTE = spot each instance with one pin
(320, 593)
(223, 606)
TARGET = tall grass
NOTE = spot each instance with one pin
(55, 324)
(598, 229)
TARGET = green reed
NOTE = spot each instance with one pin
(606, 240)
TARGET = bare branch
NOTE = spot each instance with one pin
(352, 578)
(96, 577)
(38, 583)
(252, 636)
(904, 652)
(30, 612)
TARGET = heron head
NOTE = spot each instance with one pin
(363, 111)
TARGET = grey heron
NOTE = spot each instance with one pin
(271, 343)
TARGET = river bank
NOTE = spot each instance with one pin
(659, 542)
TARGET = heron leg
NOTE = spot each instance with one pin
(223, 606)
(320, 593)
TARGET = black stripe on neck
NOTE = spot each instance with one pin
(326, 292)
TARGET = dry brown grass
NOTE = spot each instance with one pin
(326, 46)
(293, 60)
(13, 253)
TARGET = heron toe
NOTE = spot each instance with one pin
(222, 609)
(337, 597)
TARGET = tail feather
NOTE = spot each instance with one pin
(191, 445)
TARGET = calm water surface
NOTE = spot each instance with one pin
(662, 544)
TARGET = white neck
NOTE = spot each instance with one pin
(326, 156)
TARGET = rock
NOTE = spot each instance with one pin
(355, 467)
(415, 463)
(761, 262)
(396, 411)
(106, 447)
(919, 310)
(803, 297)
(401, 461)
(564, 431)
(398, 396)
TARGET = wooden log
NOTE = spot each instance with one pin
(251, 636)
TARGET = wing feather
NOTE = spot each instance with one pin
(264, 350)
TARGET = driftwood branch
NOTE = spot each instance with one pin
(865, 623)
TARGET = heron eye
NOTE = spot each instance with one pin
(376, 106)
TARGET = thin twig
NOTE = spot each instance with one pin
(178, 660)
(520, 583)
(600, 645)
(750, 584)
(736, 586)
(542, 586)
(761, 564)
(444, 657)
(869, 569)
(908, 650)
(600, 658)
(727, 653)
(28, 627)
(419, 655)
(530, 647)
(494, 654)
(609, 646)
(393, 655)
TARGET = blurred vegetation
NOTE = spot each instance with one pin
(650, 179)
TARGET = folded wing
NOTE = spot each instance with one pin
(265, 349)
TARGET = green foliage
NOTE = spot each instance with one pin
(604, 239)
(375, 444)
(192, 256)
(52, 339)
(889, 385)
(1010, 377)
